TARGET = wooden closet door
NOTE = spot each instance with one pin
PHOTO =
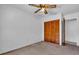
(47, 32)
(55, 31)
(51, 31)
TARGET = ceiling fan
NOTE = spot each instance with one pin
(43, 7)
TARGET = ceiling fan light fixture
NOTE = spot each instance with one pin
(42, 9)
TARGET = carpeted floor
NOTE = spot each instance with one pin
(45, 48)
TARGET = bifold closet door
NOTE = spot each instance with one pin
(51, 31)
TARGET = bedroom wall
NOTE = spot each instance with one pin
(72, 28)
(18, 28)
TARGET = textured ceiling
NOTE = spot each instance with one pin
(65, 8)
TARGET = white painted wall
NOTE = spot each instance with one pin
(72, 28)
(18, 28)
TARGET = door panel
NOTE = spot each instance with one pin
(51, 31)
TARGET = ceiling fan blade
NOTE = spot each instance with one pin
(52, 6)
(40, 5)
(45, 11)
(35, 5)
(37, 10)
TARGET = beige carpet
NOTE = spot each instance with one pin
(45, 48)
